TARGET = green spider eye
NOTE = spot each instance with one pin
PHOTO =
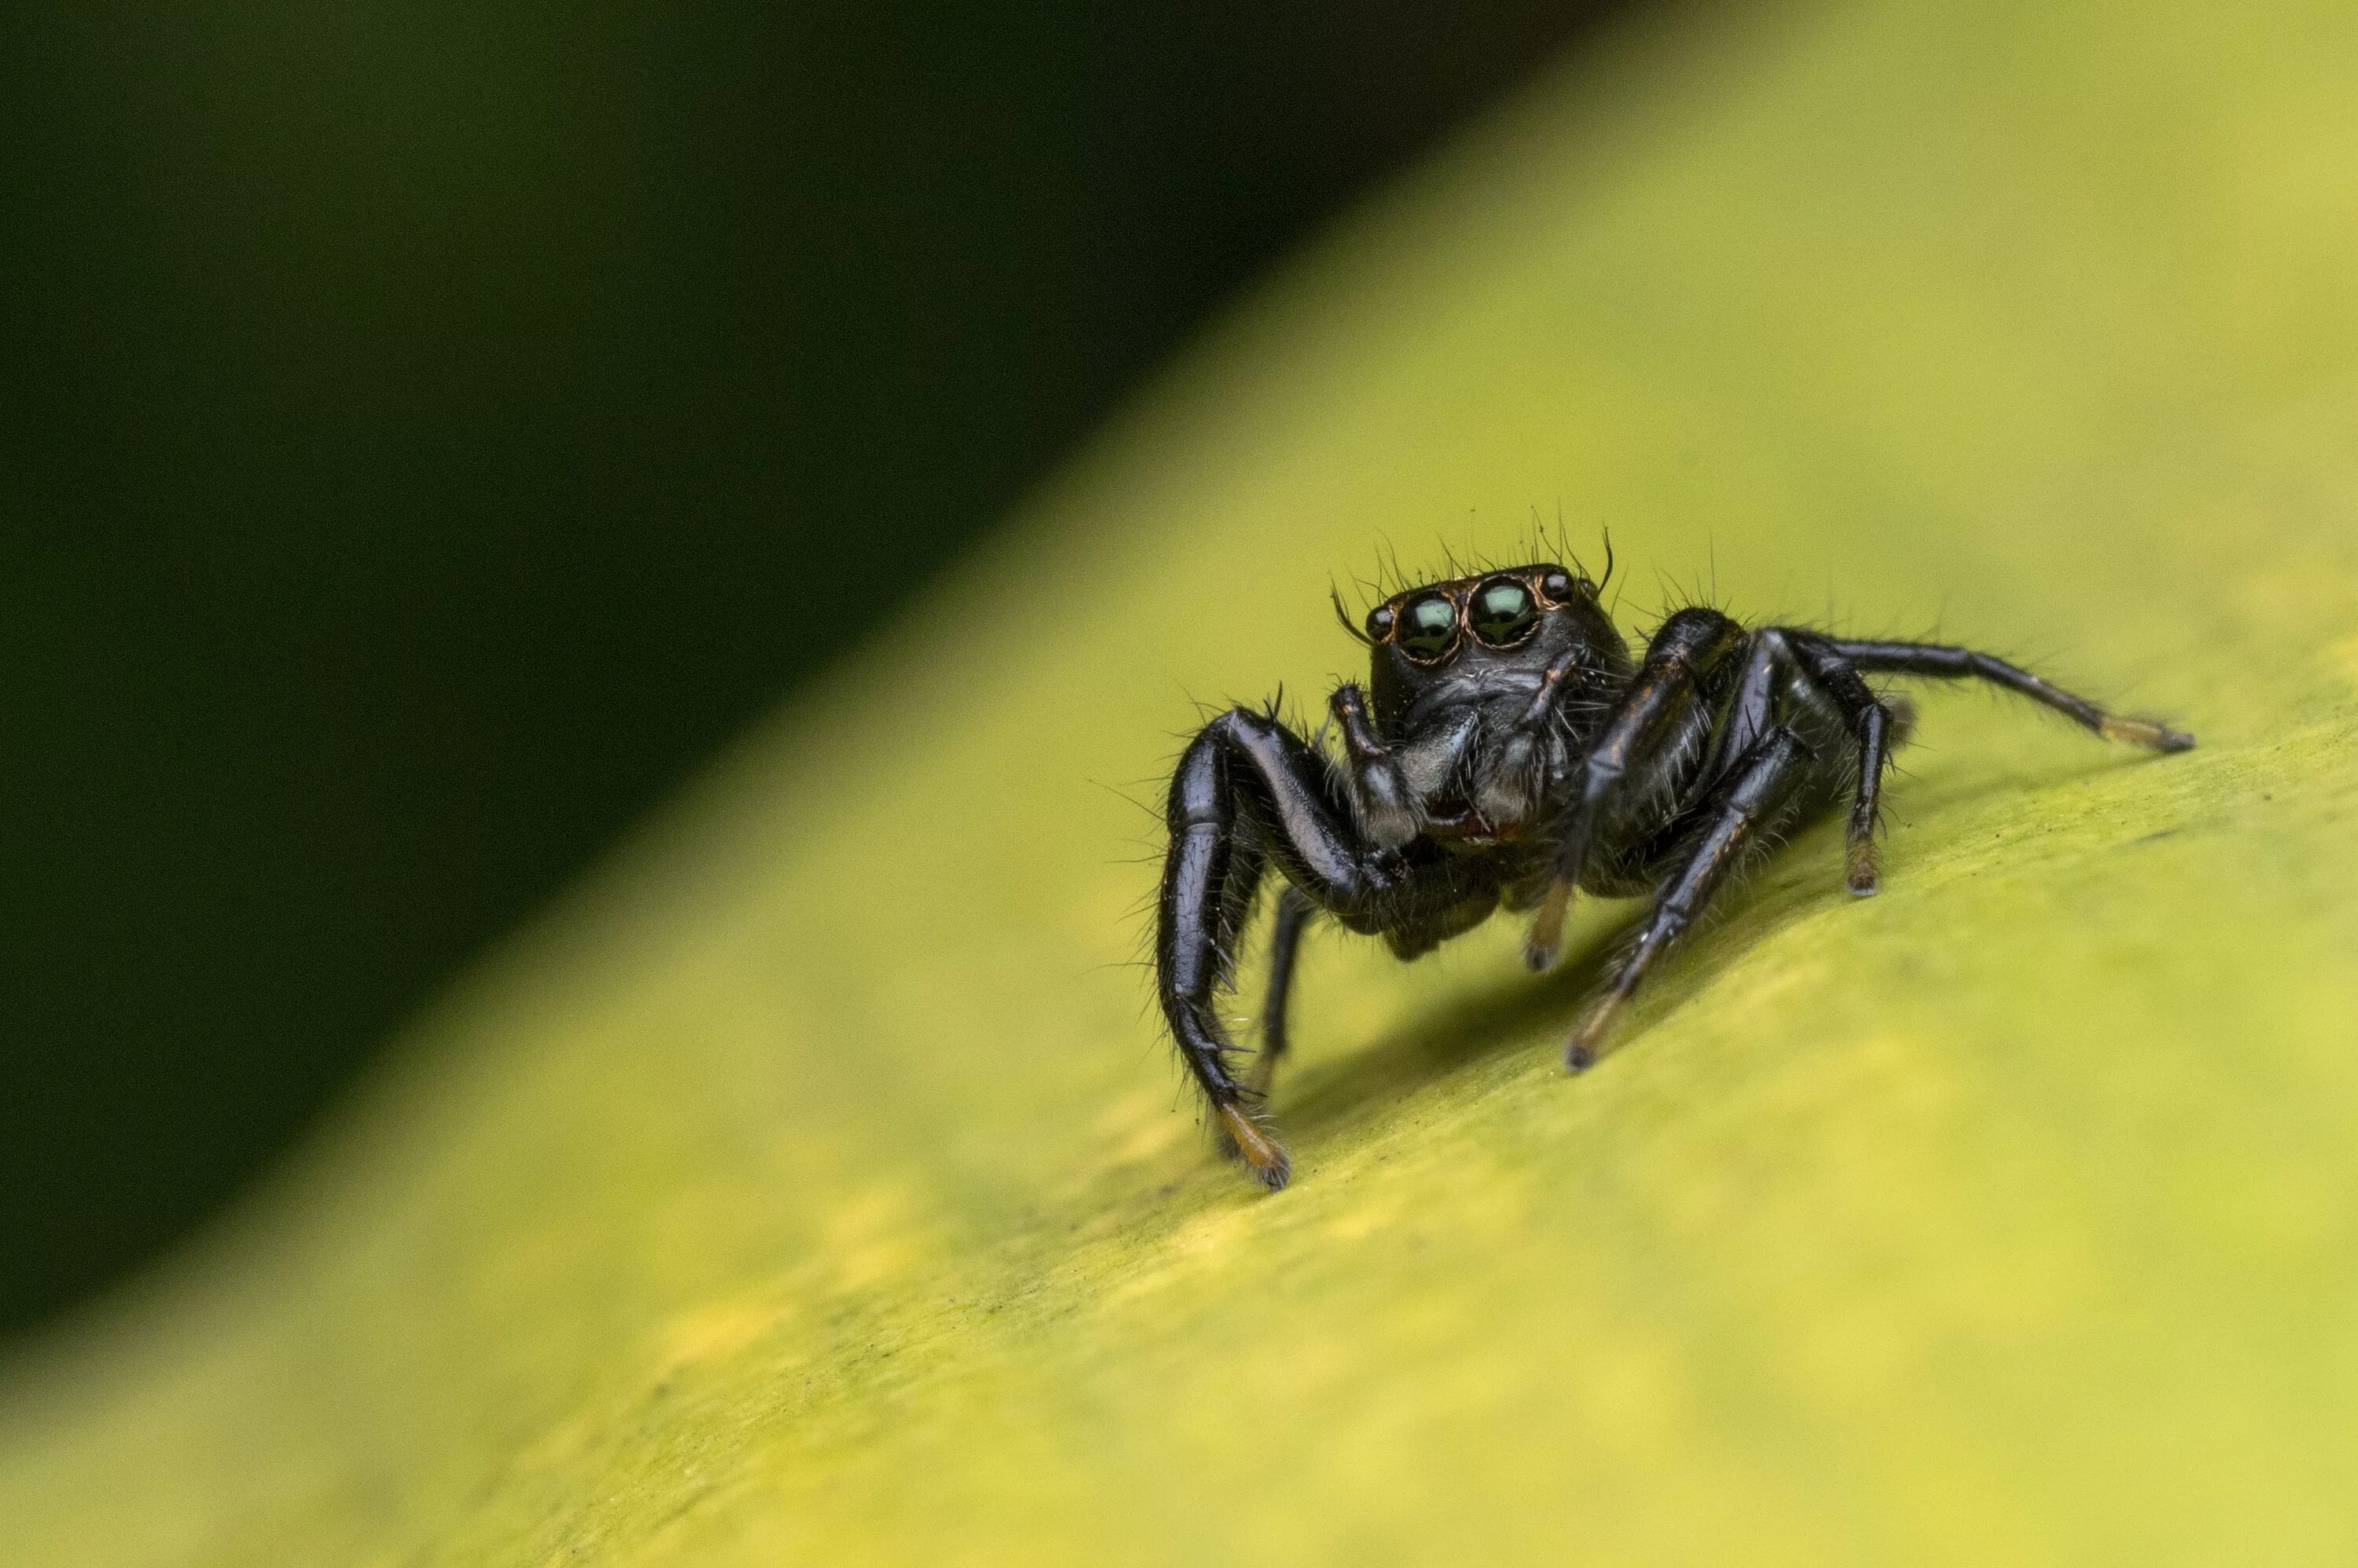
(1428, 628)
(1501, 612)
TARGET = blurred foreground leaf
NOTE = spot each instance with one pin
(815, 1186)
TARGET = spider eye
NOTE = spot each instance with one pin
(1428, 627)
(1501, 612)
(1380, 622)
(1556, 583)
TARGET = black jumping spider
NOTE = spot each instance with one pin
(1506, 751)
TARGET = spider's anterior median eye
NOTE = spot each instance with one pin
(1501, 612)
(1428, 627)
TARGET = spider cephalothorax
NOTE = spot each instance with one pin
(1455, 667)
(1507, 751)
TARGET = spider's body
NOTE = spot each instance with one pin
(1506, 751)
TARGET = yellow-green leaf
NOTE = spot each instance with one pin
(814, 1185)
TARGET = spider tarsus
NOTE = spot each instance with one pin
(1546, 940)
(1585, 1048)
(1270, 1164)
(1865, 877)
(2145, 732)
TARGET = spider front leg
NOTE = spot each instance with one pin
(1657, 710)
(1871, 723)
(1250, 792)
(1293, 912)
(1734, 819)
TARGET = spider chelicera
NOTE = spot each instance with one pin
(1507, 751)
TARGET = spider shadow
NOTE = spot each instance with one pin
(1443, 1039)
(1522, 1013)
(1517, 1012)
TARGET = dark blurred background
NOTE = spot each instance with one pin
(418, 422)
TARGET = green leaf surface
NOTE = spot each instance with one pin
(816, 1186)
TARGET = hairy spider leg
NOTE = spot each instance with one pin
(1293, 912)
(1757, 703)
(1249, 789)
(1659, 703)
(1964, 664)
(1871, 722)
(1736, 814)
(1777, 658)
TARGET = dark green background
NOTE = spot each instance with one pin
(429, 429)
